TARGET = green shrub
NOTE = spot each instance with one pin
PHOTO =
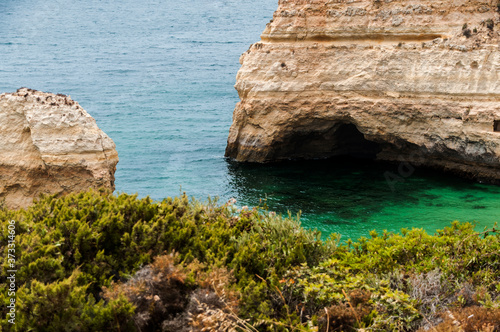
(65, 306)
(107, 238)
(85, 263)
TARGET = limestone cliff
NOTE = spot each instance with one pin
(414, 80)
(50, 144)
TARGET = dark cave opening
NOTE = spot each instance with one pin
(330, 140)
(351, 142)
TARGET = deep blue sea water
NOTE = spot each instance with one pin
(158, 77)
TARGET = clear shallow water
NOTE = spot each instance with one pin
(158, 77)
(352, 196)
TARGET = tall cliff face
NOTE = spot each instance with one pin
(397, 80)
(50, 144)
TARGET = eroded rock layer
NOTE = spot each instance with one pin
(397, 80)
(50, 144)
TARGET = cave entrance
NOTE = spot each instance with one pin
(331, 140)
(496, 125)
(351, 142)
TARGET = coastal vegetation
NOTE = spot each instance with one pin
(94, 261)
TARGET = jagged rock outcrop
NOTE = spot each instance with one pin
(397, 80)
(50, 144)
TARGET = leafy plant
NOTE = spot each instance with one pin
(94, 261)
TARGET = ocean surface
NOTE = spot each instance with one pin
(158, 77)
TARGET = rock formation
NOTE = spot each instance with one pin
(412, 80)
(50, 144)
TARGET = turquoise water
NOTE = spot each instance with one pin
(352, 197)
(158, 77)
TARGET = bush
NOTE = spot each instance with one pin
(169, 296)
(65, 306)
(97, 262)
(107, 238)
(470, 319)
(348, 316)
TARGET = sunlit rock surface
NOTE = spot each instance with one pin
(50, 144)
(416, 81)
